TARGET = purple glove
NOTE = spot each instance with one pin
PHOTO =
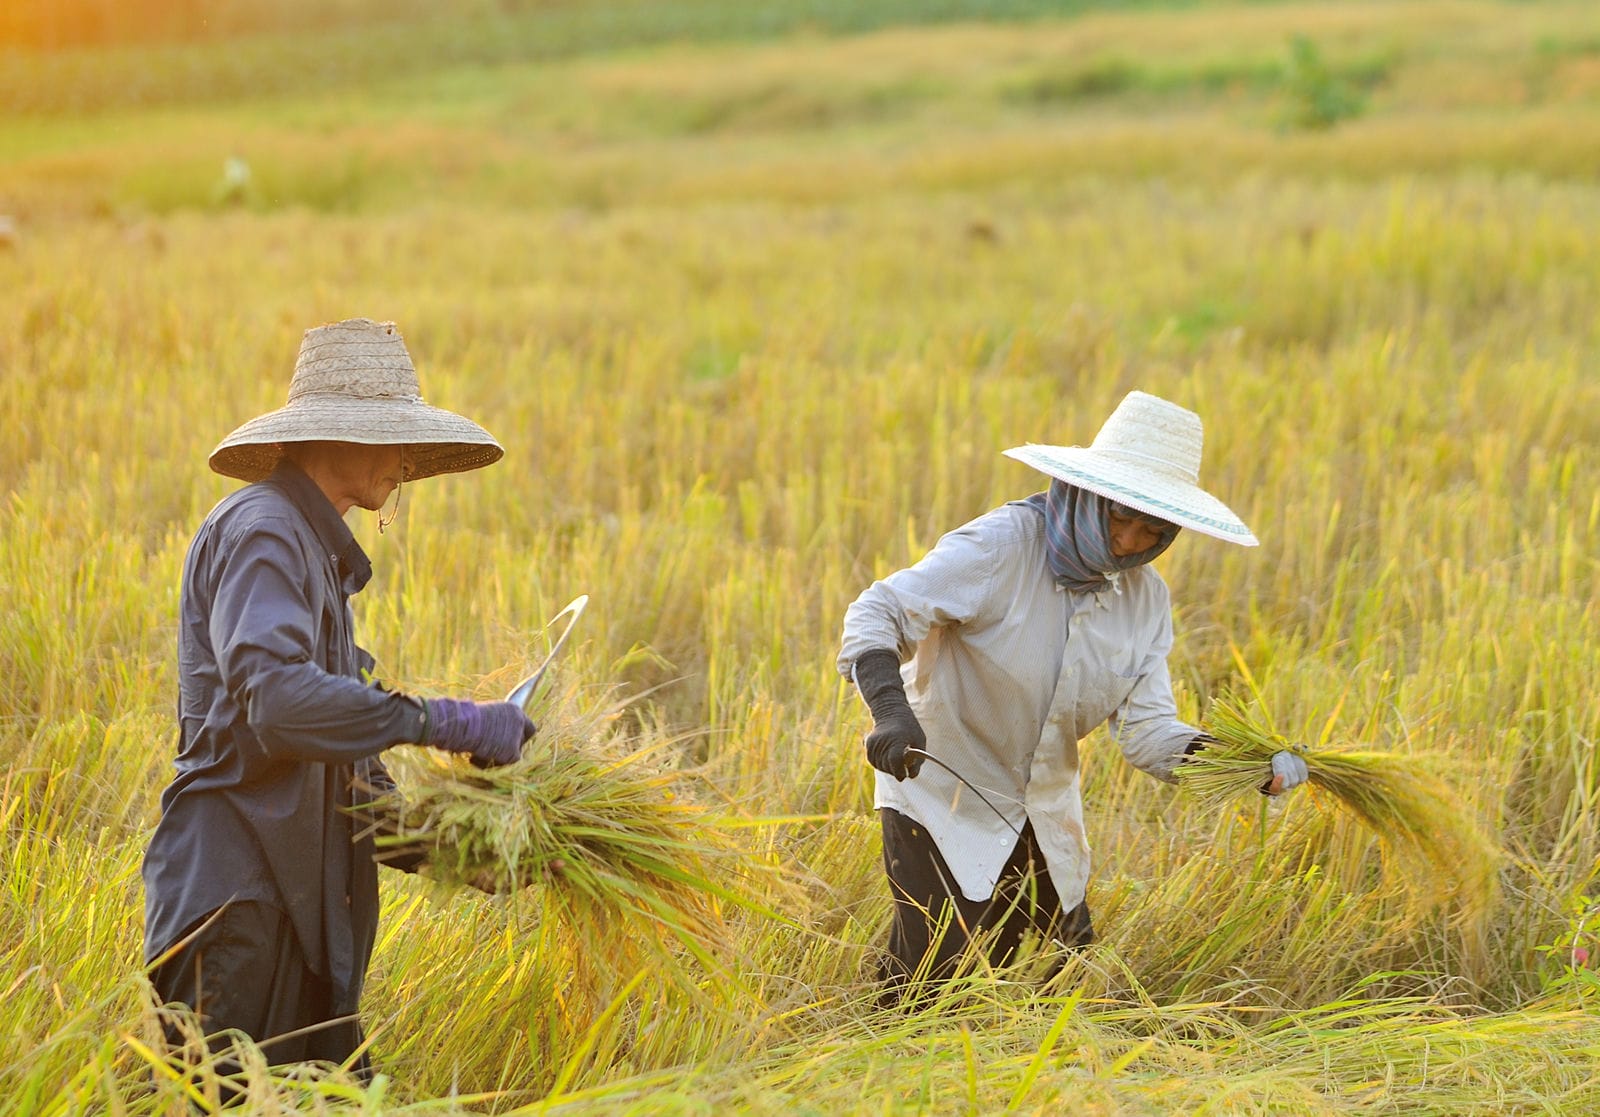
(492, 732)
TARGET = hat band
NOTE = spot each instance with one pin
(350, 397)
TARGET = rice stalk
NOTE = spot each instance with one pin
(603, 827)
(1416, 816)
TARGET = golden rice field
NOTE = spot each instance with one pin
(754, 320)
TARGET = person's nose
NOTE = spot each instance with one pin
(1122, 539)
(1132, 537)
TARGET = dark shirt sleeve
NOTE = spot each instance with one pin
(263, 633)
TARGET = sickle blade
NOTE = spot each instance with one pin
(522, 693)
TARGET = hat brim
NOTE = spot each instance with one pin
(1169, 498)
(440, 441)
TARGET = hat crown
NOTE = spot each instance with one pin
(357, 358)
(1154, 433)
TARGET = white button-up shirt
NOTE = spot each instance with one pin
(1007, 672)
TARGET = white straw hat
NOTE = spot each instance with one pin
(1147, 456)
(354, 382)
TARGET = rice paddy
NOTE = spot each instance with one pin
(754, 314)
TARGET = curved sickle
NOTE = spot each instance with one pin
(522, 693)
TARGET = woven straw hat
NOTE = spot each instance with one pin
(354, 382)
(1147, 456)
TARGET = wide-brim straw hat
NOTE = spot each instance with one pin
(354, 382)
(1147, 456)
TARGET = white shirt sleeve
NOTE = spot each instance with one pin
(1146, 725)
(949, 586)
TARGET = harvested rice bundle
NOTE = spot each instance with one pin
(596, 821)
(1413, 813)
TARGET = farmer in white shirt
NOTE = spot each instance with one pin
(1017, 635)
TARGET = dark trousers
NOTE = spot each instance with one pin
(242, 969)
(933, 920)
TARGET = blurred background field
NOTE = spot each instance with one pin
(754, 295)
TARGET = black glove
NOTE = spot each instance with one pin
(1198, 743)
(492, 733)
(895, 729)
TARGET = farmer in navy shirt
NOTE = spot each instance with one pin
(261, 888)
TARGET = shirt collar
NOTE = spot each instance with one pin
(355, 568)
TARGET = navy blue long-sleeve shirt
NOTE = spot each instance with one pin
(279, 733)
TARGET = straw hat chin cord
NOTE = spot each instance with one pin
(385, 522)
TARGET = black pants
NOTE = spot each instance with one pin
(243, 969)
(933, 920)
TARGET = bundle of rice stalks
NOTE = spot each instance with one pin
(1415, 815)
(597, 823)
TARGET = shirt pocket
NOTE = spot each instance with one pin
(1102, 690)
(1107, 666)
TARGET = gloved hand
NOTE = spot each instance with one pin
(1197, 743)
(492, 733)
(1289, 771)
(890, 743)
(895, 729)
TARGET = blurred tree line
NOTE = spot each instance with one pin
(76, 56)
(54, 24)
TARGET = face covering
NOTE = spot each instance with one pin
(1078, 542)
